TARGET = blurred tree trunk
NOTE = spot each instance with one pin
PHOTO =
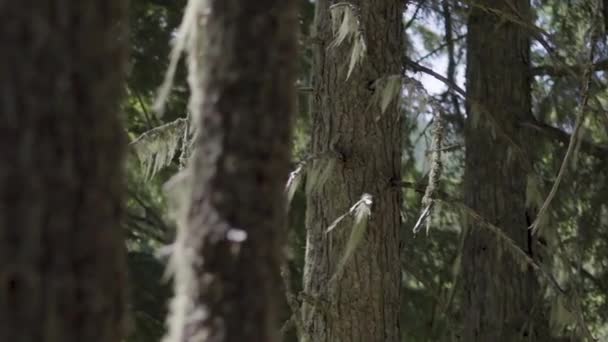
(229, 250)
(502, 299)
(62, 269)
(350, 131)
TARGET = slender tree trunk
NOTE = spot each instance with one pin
(502, 301)
(363, 302)
(62, 269)
(230, 249)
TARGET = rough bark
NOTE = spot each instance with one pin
(363, 303)
(502, 301)
(233, 237)
(62, 269)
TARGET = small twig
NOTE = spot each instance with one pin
(304, 89)
(441, 47)
(446, 149)
(411, 21)
(420, 68)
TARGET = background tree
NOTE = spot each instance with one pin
(62, 276)
(353, 271)
(501, 294)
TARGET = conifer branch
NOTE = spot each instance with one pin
(587, 79)
(563, 70)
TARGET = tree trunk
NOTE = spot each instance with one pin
(230, 249)
(62, 274)
(502, 301)
(350, 131)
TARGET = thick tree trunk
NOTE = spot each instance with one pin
(230, 249)
(62, 269)
(363, 302)
(502, 301)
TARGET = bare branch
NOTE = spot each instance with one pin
(420, 68)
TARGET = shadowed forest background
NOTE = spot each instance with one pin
(437, 172)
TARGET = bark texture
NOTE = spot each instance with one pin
(501, 294)
(363, 303)
(62, 269)
(233, 236)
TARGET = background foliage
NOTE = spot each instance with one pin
(575, 231)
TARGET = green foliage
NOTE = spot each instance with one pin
(147, 228)
(575, 227)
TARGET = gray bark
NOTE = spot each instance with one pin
(363, 303)
(234, 232)
(62, 269)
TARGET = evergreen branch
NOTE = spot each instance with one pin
(563, 70)
(515, 17)
(157, 147)
(520, 254)
(574, 303)
(538, 33)
(452, 85)
(186, 145)
(587, 79)
(156, 130)
(598, 151)
(516, 251)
